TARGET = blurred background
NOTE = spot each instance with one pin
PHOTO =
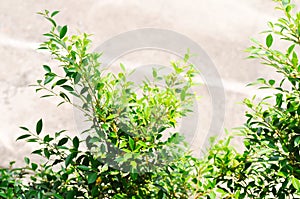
(222, 28)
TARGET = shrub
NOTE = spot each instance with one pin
(269, 165)
(125, 154)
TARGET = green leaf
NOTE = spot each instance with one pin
(32, 140)
(131, 143)
(297, 141)
(54, 13)
(62, 141)
(271, 82)
(269, 40)
(63, 95)
(47, 138)
(38, 152)
(61, 81)
(85, 89)
(122, 67)
(47, 68)
(52, 21)
(23, 136)
(84, 168)
(34, 166)
(39, 126)
(92, 178)
(160, 194)
(70, 194)
(68, 88)
(26, 159)
(48, 78)
(63, 32)
(76, 142)
(133, 173)
(69, 159)
(47, 153)
(154, 72)
(290, 50)
(296, 183)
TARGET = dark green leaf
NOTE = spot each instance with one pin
(70, 194)
(38, 152)
(76, 142)
(47, 138)
(34, 166)
(63, 95)
(47, 68)
(47, 153)
(23, 136)
(68, 88)
(39, 126)
(61, 81)
(62, 141)
(52, 21)
(160, 194)
(69, 159)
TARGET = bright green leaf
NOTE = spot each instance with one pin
(269, 40)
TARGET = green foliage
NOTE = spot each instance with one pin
(273, 124)
(269, 165)
(125, 154)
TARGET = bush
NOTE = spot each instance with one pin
(269, 165)
(126, 155)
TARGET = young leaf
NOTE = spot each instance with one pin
(269, 40)
(296, 183)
